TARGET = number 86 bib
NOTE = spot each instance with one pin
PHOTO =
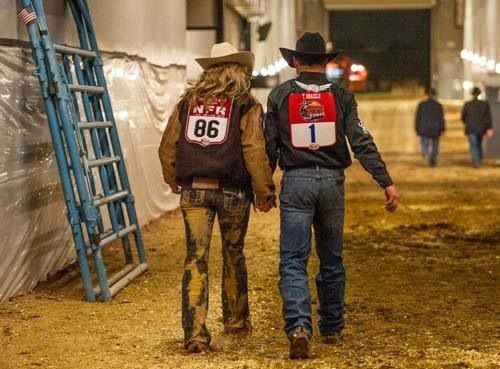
(312, 117)
(209, 125)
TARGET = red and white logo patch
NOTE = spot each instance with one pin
(312, 117)
(209, 125)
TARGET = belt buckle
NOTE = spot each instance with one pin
(200, 183)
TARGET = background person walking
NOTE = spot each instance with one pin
(476, 115)
(430, 125)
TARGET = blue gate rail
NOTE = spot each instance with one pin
(88, 151)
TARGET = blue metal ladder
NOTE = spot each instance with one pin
(87, 148)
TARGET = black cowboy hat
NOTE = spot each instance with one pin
(310, 44)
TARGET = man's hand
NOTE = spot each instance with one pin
(175, 188)
(489, 133)
(392, 197)
(266, 204)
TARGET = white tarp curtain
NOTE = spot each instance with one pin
(36, 238)
(152, 29)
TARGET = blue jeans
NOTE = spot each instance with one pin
(430, 149)
(312, 197)
(476, 149)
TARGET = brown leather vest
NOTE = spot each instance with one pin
(210, 142)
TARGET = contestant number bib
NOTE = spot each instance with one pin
(209, 124)
(312, 117)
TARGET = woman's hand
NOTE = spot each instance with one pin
(175, 188)
(266, 204)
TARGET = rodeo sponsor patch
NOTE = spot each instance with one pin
(361, 124)
(312, 117)
(209, 124)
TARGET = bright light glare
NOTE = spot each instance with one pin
(467, 85)
(272, 69)
(122, 115)
(490, 64)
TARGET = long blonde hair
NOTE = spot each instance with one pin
(221, 80)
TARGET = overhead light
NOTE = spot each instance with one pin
(480, 60)
(490, 65)
(272, 69)
(467, 85)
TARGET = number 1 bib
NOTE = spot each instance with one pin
(312, 117)
(209, 125)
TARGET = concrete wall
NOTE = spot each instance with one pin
(446, 44)
(233, 28)
(312, 17)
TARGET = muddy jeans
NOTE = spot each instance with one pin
(199, 208)
(312, 197)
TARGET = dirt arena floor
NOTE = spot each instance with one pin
(422, 284)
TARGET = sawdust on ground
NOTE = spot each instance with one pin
(422, 286)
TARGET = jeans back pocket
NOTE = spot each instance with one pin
(234, 201)
(192, 197)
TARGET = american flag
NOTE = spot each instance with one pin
(27, 15)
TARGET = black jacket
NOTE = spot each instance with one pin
(349, 127)
(476, 115)
(429, 121)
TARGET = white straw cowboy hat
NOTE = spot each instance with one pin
(227, 53)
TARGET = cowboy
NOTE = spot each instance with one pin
(430, 126)
(311, 148)
(213, 154)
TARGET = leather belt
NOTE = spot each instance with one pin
(205, 184)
